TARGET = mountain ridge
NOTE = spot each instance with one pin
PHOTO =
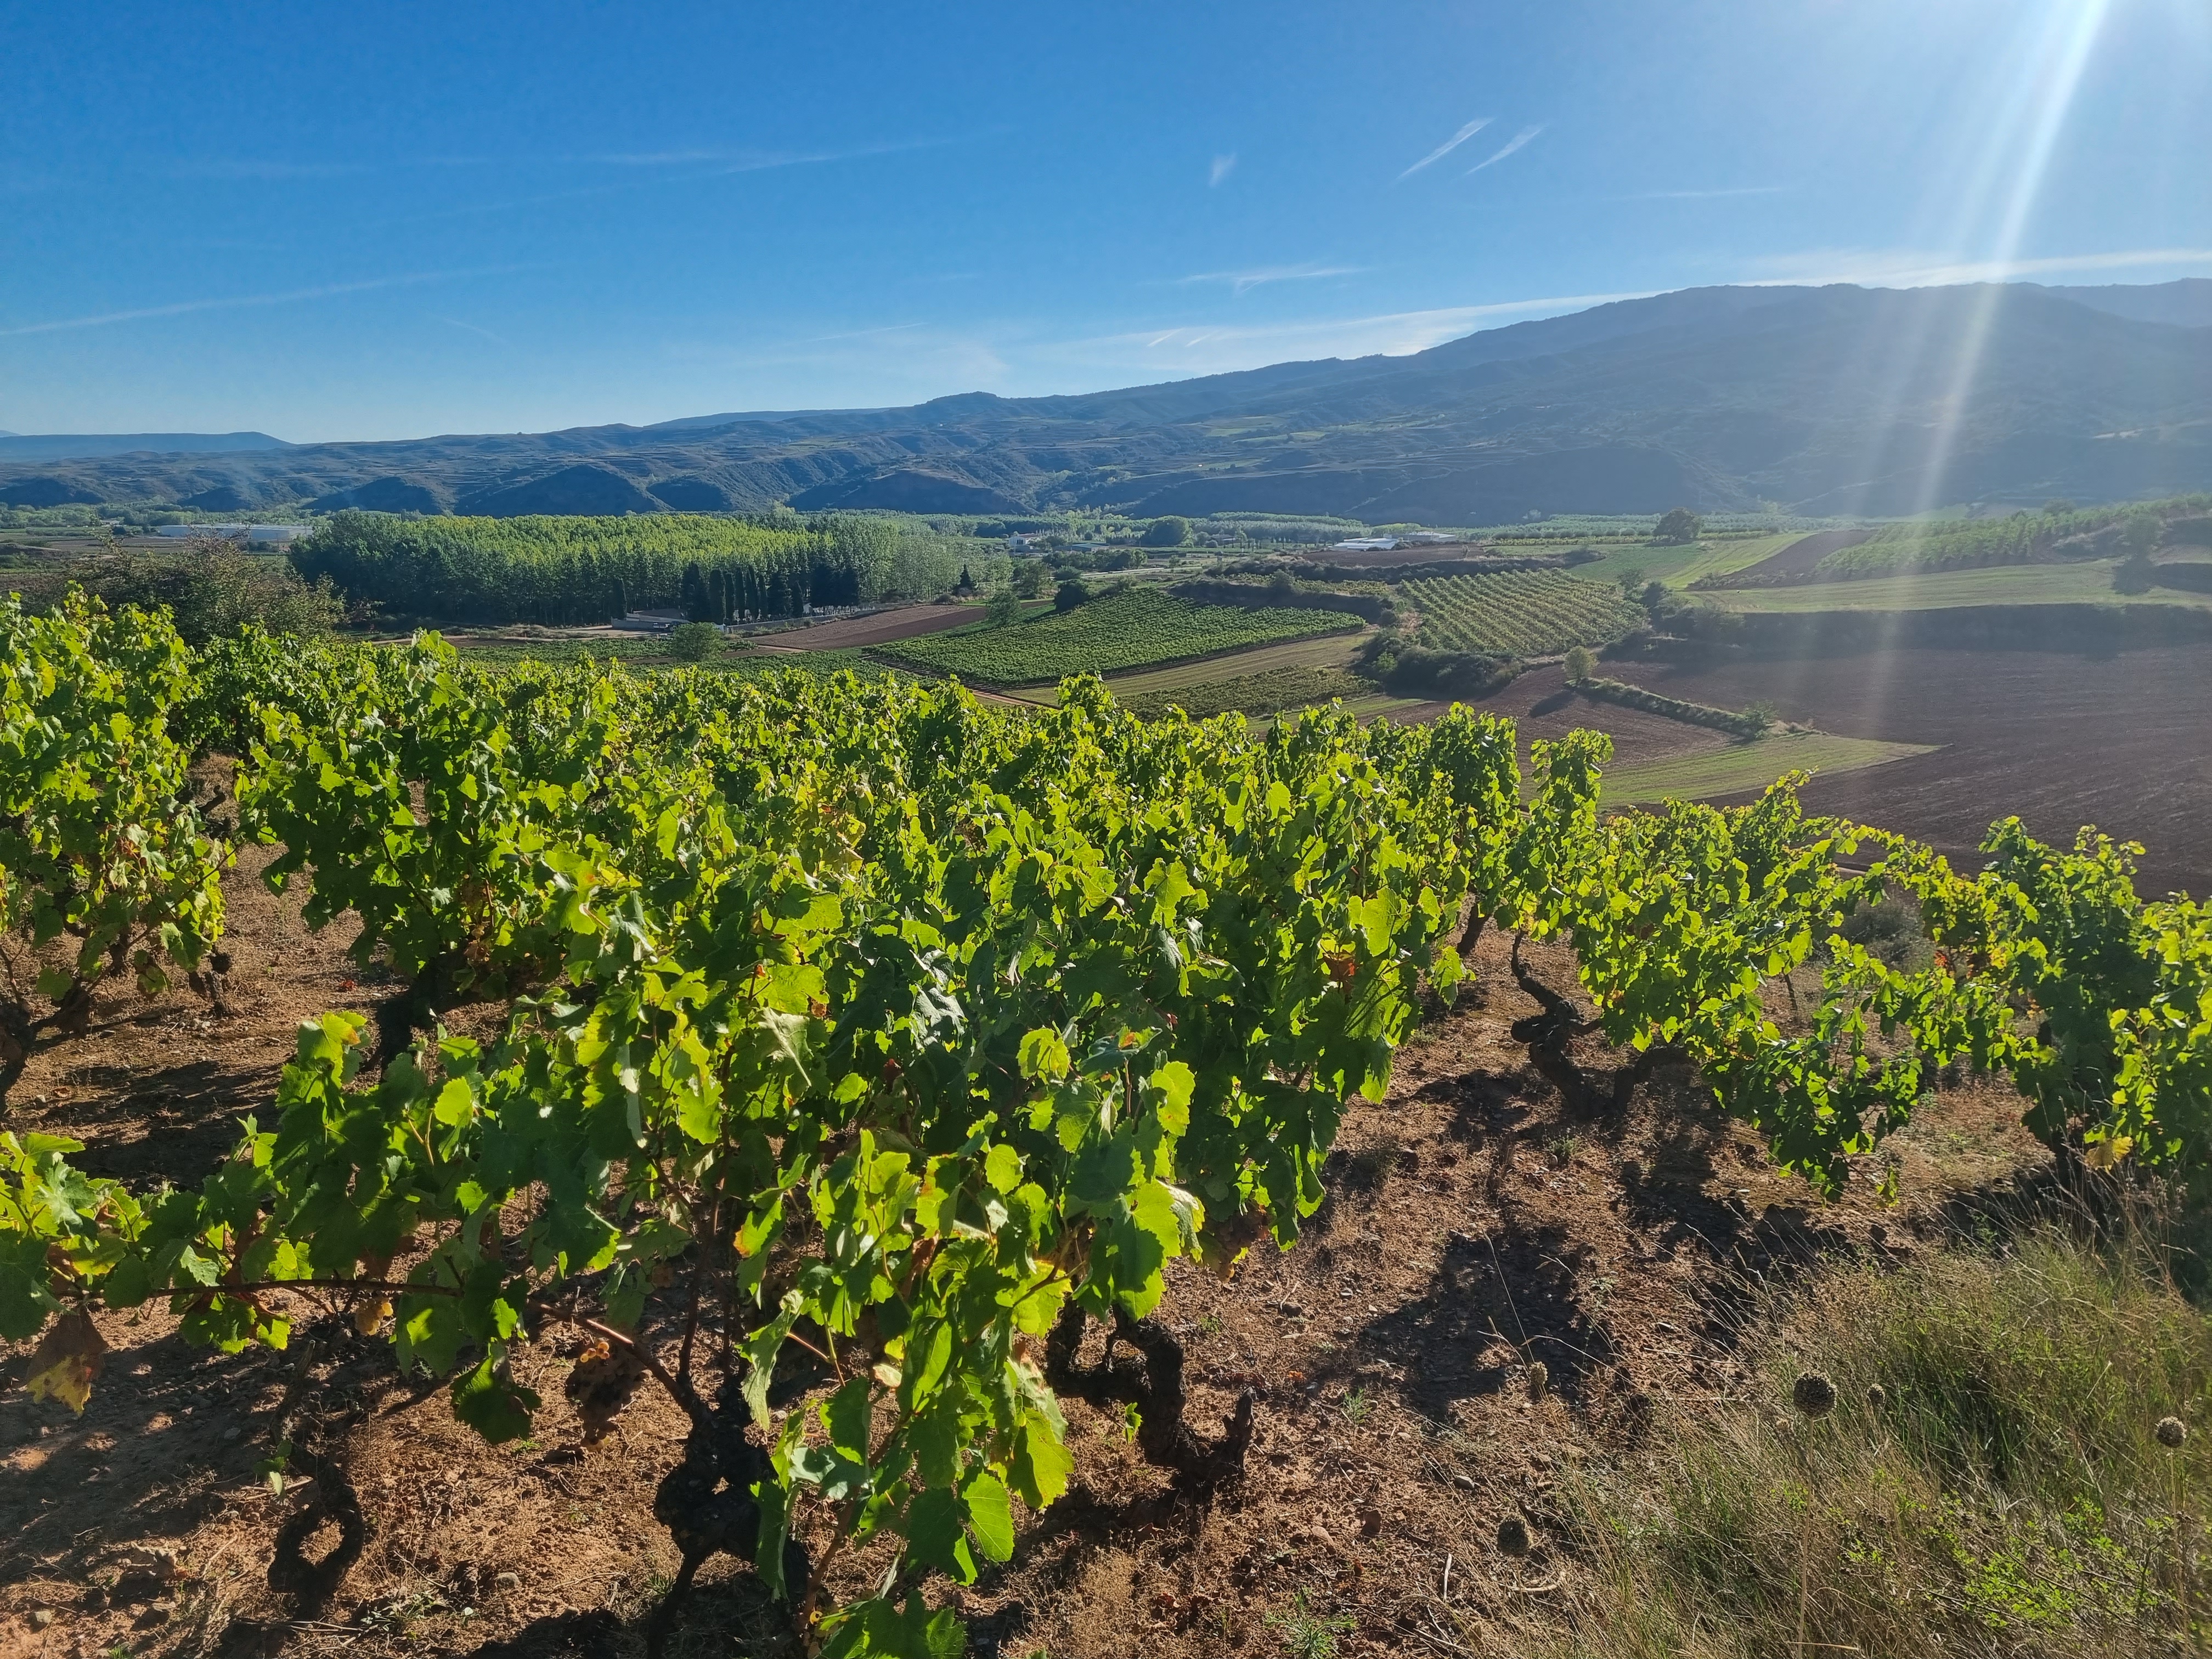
(1828, 399)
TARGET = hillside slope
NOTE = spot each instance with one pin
(1836, 399)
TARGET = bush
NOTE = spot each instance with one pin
(1005, 609)
(1414, 670)
(2134, 575)
(1678, 527)
(2141, 530)
(1166, 533)
(1070, 593)
(212, 589)
(693, 641)
(1581, 664)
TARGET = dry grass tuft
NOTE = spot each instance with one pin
(1995, 1475)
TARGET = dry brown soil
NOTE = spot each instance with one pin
(2124, 742)
(881, 628)
(1475, 1225)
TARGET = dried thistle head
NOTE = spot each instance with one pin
(1813, 1394)
(2172, 1431)
(1877, 1397)
(1513, 1536)
(1539, 1379)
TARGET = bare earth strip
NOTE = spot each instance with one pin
(881, 628)
(1322, 651)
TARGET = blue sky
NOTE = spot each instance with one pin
(361, 221)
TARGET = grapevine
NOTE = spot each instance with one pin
(862, 1045)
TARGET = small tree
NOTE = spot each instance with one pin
(693, 641)
(1171, 531)
(2141, 533)
(966, 584)
(1030, 579)
(1004, 609)
(1070, 593)
(1678, 528)
(1581, 664)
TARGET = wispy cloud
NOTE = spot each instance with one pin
(1221, 168)
(1449, 145)
(1707, 195)
(658, 169)
(1906, 268)
(185, 308)
(1239, 281)
(717, 162)
(477, 328)
(1512, 144)
(1207, 349)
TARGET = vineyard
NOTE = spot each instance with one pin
(1520, 613)
(1131, 628)
(856, 1049)
(562, 571)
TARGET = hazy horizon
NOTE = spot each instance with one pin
(449, 220)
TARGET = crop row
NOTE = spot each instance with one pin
(1129, 629)
(1522, 613)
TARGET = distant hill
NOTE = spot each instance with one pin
(1835, 399)
(68, 447)
(2186, 304)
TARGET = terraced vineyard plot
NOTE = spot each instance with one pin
(1521, 613)
(1126, 630)
(1268, 692)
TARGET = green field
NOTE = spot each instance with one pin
(646, 654)
(2087, 583)
(1678, 567)
(1128, 628)
(1735, 768)
(1318, 651)
(1519, 613)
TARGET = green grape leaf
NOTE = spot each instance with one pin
(991, 1515)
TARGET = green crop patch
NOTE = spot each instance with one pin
(1129, 629)
(1519, 613)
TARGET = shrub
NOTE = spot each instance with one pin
(212, 589)
(693, 641)
(1070, 593)
(1581, 664)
